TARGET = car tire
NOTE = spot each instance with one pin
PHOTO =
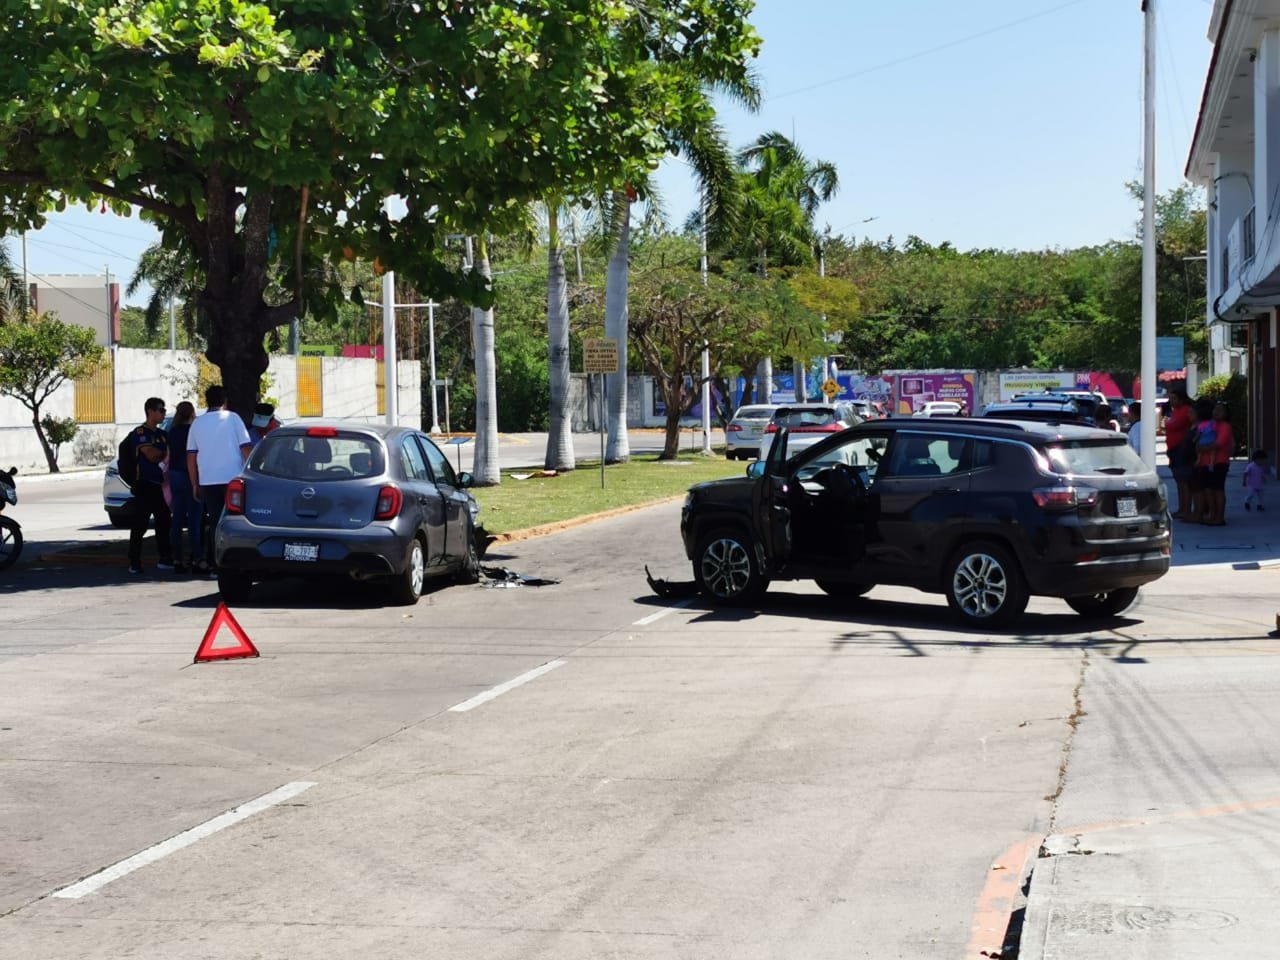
(726, 568)
(10, 542)
(984, 585)
(408, 585)
(842, 589)
(469, 572)
(234, 587)
(1108, 604)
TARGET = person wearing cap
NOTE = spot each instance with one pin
(264, 421)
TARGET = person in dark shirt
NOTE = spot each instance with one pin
(188, 512)
(151, 446)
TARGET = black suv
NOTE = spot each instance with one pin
(988, 512)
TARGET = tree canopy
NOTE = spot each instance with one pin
(269, 135)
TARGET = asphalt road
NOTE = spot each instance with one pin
(806, 780)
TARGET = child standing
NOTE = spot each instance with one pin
(1255, 478)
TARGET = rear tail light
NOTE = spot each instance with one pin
(235, 496)
(1064, 497)
(390, 500)
(771, 428)
(733, 428)
(824, 428)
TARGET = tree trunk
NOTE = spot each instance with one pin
(748, 390)
(485, 463)
(49, 456)
(799, 374)
(764, 380)
(616, 326)
(560, 422)
(671, 442)
(237, 349)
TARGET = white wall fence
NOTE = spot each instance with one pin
(348, 385)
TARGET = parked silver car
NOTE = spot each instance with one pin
(371, 501)
(117, 498)
(744, 436)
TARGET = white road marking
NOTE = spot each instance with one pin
(645, 621)
(502, 688)
(185, 839)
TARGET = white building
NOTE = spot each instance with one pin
(1235, 155)
(84, 301)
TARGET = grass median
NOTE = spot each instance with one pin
(521, 504)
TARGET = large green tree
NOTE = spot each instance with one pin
(270, 134)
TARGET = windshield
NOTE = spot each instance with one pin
(307, 457)
(813, 417)
(1084, 457)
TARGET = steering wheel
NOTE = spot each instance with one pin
(336, 469)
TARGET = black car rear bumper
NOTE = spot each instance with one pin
(1096, 576)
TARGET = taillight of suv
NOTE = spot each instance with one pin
(1064, 497)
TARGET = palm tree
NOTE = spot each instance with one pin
(695, 134)
(560, 424)
(484, 466)
(11, 293)
(171, 277)
(782, 191)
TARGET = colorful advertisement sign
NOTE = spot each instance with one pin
(1035, 381)
(916, 388)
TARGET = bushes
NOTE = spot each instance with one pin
(1231, 389)
(59, 430)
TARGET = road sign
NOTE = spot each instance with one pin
(600, 355)
(831, 389)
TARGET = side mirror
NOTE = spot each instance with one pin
(465, 480)
(756, 469)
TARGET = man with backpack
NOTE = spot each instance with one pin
(139, 460)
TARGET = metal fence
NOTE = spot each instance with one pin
(96, 395)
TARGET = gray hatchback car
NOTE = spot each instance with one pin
(371, 501)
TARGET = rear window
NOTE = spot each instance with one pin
(754, 413)
(804, 418)
(305, 457)
(1084, 457)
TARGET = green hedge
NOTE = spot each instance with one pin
(1233, 390)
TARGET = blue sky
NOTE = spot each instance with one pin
(987, 123)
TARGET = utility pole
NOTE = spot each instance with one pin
(26, 284)
(173, 326)
(111, 328)
(706, 350)
(1147, 424)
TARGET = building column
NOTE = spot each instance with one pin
(1266, 128)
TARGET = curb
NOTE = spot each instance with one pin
(545, 529)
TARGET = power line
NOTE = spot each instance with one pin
(929, 51)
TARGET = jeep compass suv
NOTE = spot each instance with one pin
(987, 512)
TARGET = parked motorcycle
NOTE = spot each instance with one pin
(10, 532)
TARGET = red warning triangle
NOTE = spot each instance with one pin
(243, 646)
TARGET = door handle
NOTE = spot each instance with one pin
(946, 491)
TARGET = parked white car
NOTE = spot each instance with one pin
(938, 408)
(744, 435)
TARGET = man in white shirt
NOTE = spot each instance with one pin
(217, 448)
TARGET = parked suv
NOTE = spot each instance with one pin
(987, 512)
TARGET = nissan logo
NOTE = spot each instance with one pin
(308, 493)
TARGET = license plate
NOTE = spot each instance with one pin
(1126, 507)
(302, 551)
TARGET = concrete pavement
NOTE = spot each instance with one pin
(1152, 850)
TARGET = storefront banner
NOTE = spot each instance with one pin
(1012, 384)
(914, 390)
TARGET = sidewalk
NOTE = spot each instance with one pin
(1249, 540)
(1161, 854)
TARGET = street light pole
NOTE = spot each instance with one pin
(706, 352)
(1147, 424)
(431, 357)
(390, 380)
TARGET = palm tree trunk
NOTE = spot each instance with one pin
(560, 423)
(616, 326)
(798, 374)
(485, 463)
(764, 380)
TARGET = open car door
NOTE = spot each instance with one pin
(770, 502)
